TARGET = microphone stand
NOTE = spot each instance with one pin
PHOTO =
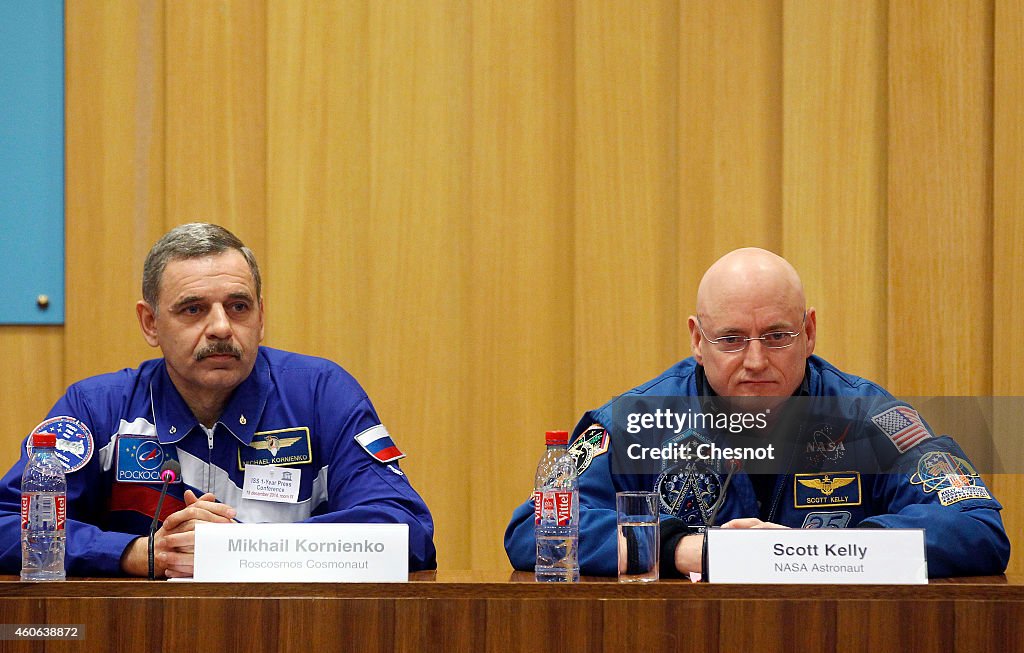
(168, 475)
(710, 523)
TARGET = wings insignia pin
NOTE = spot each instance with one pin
(827, 485)
(274, 444)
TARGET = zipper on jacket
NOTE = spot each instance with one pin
(780, 486)
(209, 457)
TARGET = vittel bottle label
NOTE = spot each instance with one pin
(54, 516)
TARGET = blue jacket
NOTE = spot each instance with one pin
(298, 412)
(880, 464)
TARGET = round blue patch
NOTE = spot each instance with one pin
(149, 455)
(74, 441)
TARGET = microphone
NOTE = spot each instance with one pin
(170, 471)
(734, 465)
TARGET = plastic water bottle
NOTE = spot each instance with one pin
(556, 501)
(43, 512)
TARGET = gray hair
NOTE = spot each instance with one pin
(187, 241)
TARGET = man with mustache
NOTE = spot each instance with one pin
(222, 406)
(848, 454)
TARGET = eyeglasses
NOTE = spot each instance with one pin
(773, 340)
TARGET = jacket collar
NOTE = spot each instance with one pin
(174, 419)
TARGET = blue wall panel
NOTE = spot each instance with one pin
(31, 161)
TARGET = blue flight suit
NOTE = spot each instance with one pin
(298, 412)
(853, 459)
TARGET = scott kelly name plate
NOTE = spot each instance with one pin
(812, 556)
(308, 553)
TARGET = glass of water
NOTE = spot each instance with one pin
(639, 542)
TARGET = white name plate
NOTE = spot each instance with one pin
(306, 553)
(811, 556)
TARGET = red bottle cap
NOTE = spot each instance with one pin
(44, 440)
(556, 437)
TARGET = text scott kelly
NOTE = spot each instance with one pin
(843, 551)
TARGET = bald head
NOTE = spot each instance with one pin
(751, 292)
(749, 273)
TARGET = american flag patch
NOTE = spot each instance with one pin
(902, 425)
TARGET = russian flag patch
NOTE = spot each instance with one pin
(378, 443)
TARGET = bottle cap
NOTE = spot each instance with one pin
(44, 440)
(556, 437)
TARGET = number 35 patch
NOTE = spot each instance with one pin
(838, 519)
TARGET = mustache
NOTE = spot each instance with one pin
(216, 349)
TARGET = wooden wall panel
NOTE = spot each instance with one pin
(1008, 252)
(115, 190)
(496, 214)
(420, 156)
(33, 358)
(626, 229)
(216, 116)
(519, 336)
(940, 210)
(318, 181)
(834, 182)
(730, 136)
(1008, 199)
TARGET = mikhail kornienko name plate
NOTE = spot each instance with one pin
(310, 553)
(811, 556)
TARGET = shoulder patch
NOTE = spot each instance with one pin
(377, 442)
(74, 441)
(902, 425)
(592, 443)
(952, 477)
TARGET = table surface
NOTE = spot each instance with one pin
(508, 612)
(485, 584)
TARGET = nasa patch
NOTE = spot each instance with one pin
(74, 441)
(824, 445)
(139, 459)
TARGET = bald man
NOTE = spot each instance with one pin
(845, 453)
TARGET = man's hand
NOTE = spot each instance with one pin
(688, 554)
(690, 548)
(751, 522)
(174, 542)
